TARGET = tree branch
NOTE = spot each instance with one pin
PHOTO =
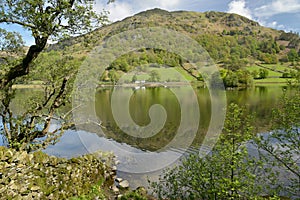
(5, 20)
(23, 68)
(281, 161)
(55, 104)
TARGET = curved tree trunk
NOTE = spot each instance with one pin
(22, 69)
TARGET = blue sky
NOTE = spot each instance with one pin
(278, 14)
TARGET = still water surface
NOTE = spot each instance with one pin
(258, 100)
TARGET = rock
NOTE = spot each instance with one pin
(23, 190)
(112, 173)
(2, 189)
(20, 157)
(114, 168)
(34, 188)
(6, 165)
(8, 154)
(106, 175)
(14, 187)
(118, 180)
(115, 189)
(124, 184)
(26, 175)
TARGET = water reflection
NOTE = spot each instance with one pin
(259, 100)
(140, 104)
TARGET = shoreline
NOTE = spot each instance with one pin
(148, 85)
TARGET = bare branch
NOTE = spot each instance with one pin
(70, 111)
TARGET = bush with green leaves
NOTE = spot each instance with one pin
(228, 172)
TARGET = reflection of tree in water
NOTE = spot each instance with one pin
(262, 90)
(140, 103)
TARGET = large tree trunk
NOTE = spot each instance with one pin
(22, 69)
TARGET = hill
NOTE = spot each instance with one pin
(233, 41)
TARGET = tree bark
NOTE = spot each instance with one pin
(22, 69)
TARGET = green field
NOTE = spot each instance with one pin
(169, 74)
(178, 74)
(277, 67)
(270, 72)
(185, 74)
(275, 72)
(271, 80)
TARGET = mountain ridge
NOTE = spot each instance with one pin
(189, 22)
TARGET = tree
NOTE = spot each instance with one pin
(263, 73)
(228, 172)
(40, 111)
(292, 55)
(46, 20)
(134, 78)
(244, 77)
(113, 75)
(154, 76)
(11, 42)
(255, 74)
(231, 79)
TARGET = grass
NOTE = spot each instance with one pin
(185, 74)
(278, 67)
(274, 77)
(176, 74)
(179, 74)
(270, 72)
(30, 85)
(268, 81)
(25, 86)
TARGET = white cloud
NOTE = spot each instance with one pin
(239, 7)
(122, 9)
(119, 10)
(163, 4)
(275, 25)
(167, 4)
(278, 7)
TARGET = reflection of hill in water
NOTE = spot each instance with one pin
(140, 103)
(259, 100)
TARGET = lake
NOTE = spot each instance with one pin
(143, 156)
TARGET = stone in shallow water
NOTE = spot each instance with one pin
(124, 184)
